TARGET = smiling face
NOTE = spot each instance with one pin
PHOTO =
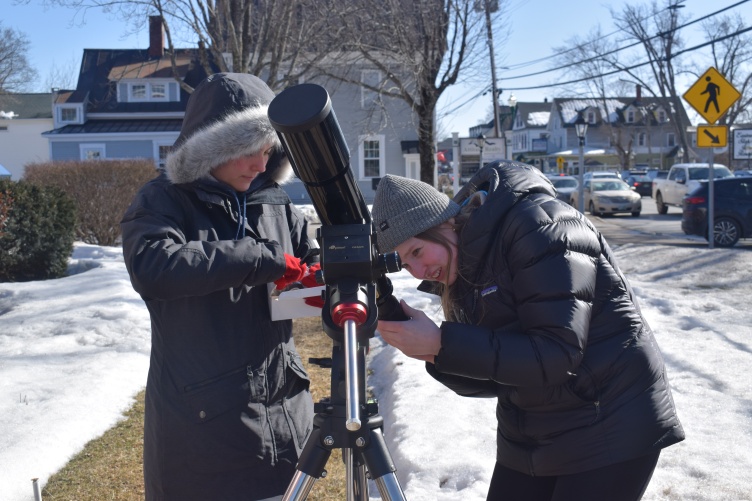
(239, 173)
(429, 260)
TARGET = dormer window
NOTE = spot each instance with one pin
(68, 115)
(144, 91)
(139, 92)
(590, 116)
(630, 116)
(662, 116)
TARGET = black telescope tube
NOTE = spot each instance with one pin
(305, 123)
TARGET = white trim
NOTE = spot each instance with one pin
(169, 114)
(361, 155)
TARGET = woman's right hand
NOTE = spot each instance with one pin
(418, 337)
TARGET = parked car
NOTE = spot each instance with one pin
(656, 174)
(732, 211)
(633, 172)
(600, 174)
(743, 172)
(641, 184)
(565, 186)
(609, 196)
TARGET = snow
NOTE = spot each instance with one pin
(74, 353)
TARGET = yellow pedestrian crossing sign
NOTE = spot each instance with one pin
(711, 95)
(712, 136)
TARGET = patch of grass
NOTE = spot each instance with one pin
(110, 467)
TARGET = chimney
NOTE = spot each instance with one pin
(638, 92)
(156, 36)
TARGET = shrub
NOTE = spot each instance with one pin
(38, 234)
(101, 190)
(5, 202)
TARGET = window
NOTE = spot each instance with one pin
(670, 139)
(590, 117)
(146, 91)
(68, 115)
(371, 151)
(161, 150)
(158, 91)
(662, 116)
(641, 139)
(367, 96)
(138, 92)
(630, 116)
(92, 151)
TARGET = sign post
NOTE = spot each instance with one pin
(711, 96)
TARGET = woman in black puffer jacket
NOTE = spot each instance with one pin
(540, 316)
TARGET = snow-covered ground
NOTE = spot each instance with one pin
(74, 352)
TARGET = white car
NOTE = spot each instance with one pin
(609, 196)
(600, 174)
(565, 186)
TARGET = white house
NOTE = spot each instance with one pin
(23, 119)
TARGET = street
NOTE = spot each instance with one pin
(651, 228)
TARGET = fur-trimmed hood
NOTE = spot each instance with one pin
(226, 118)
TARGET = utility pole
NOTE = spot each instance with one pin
(488, 8)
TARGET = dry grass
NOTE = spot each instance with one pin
(110, 467)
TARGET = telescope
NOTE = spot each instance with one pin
(356, 286)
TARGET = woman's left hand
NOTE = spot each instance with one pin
(418, 337)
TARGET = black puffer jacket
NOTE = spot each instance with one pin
(547, 323)
(227, 401)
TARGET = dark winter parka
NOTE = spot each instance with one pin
(227, 401)
(547, 323)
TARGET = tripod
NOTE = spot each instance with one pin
(346, 420)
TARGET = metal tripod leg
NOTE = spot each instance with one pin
(345, 421)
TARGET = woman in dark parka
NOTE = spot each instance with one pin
(227, 401)
(539, 316)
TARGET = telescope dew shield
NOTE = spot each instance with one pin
(305, 123)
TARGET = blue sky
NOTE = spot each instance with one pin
(58, 37)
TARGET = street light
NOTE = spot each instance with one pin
(481, 143)
(512, 102)
(580, 127)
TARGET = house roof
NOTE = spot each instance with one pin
(534, 114)
(26, 105)
(120, 126)
(610, 110)
(102, 69)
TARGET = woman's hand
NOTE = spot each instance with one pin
(418, 337)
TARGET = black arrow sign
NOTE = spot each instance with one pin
(713, 139)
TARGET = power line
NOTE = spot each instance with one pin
(627, 68)
(619, 49)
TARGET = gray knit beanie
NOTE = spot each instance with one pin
(405, 207)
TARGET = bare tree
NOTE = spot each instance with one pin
(647, 54)
(586, 60)
(654, 27)
(732, 56)
(269, 38)
(420, 48)
(61, 77)
(16, 74)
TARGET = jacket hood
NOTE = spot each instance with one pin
(226, 118)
